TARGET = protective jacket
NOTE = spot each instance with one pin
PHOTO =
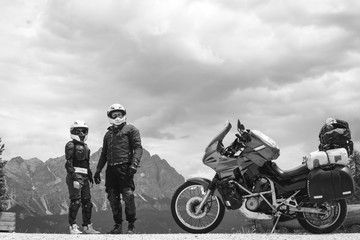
(77, 165)
(77, 155)
(122, 144)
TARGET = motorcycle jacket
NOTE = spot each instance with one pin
(121, 145)
(77, 155)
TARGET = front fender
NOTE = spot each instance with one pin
(205, 183)
(202, 181)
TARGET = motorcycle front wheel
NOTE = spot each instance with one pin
(186, 201)
(332, 217)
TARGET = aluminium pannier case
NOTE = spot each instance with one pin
(330, 184)
(260, 149)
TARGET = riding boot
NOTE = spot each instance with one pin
(117, 229)
(131, 228)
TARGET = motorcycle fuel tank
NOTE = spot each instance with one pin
(260, 149)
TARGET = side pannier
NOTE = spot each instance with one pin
(330, 184)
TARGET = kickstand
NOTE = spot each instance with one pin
(277, 215)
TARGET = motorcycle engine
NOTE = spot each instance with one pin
(231, 195)
(253, 203)
(257, 203)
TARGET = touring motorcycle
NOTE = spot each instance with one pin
(248, 179)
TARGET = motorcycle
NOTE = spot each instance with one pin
(248, 179)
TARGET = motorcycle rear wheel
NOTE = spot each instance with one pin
(332, 219)
(184, 204)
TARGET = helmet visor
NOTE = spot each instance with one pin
(116, 114)
(78, 131)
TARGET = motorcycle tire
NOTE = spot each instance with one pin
(184, 205)
(332, 219)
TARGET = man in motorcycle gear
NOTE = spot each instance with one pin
(122, 151)
(77, 155)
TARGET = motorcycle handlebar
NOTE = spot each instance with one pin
(236, 145)
(244, 137)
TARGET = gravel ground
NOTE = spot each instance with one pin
(240, 236)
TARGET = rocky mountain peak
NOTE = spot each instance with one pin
(39, 187)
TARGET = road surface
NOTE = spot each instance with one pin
(239, 236)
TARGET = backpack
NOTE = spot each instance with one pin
(336, 134)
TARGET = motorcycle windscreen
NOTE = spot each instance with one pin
(220, 136)
(330, 184)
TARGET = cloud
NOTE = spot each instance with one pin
(159, 123)
(181, 68)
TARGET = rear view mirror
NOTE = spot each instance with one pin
(240, 126)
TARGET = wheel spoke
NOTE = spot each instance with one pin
(188, 201)
(325, 220)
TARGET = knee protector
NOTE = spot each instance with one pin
(113, 196)
(86, 210)
(86, 203)
(130, 208)
(74, 206)
(128, 194)
(73, 210)
(75, 203)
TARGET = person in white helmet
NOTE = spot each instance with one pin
(79, 177)
(122, 151)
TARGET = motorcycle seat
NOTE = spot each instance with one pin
(285, 174)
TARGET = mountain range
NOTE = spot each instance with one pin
(39, 195)
(39, 187)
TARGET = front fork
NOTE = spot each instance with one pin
(210, 189)
(202, 203)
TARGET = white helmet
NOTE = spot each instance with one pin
(79, 131)
(114, 118)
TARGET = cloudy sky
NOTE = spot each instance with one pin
(181, 68)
